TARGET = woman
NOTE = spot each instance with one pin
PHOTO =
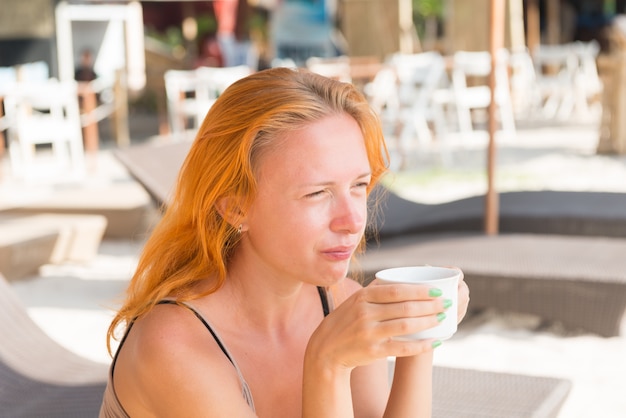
(240, 305)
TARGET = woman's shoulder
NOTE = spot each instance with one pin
(170, 345)
(167, 333)
(165, 325)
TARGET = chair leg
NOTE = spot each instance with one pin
(464, 115)
(77, 154)
(507, 118)
(422, 130)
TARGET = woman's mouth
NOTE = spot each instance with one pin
(338, 253)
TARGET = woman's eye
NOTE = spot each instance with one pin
(363, 184)
(314, 194)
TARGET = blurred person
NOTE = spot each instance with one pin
(241, 305)
(85, 71)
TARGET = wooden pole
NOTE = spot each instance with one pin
(533, 37)
(553, 26)
(89, 102)
(496, 42)
(2, 146)
(120, 115)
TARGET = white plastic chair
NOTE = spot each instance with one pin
(214, 80)
(414, 103)
(587, 83)
(186, 103)
(191, 93)
(420, 77)
(8, 79)
(45, 113)
(36, 71)
(555, 72)
(283, 62)
(382, 94)
(523, 83)
(337, 68)
(470, 72)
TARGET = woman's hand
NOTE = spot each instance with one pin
(363, 327)
(361, 330)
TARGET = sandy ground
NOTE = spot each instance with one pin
(74, 303)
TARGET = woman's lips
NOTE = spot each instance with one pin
(338, 253)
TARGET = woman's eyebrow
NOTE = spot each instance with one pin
(328, 183)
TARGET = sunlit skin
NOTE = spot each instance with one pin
(310, 211)
(306, 221)
(299, 233)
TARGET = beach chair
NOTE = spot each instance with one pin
(337, 68)
(38, 376)
(470, 70)
(421, 83)
(186, 105)
(460, 392)
(191, 93)
(558, 256)
(567, 79)
(478, 393)
(45, 113)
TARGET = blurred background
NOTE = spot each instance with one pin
(100, 100)
(147, 38)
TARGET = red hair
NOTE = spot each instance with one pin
(193, 242)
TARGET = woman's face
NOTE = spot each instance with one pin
(310, 212)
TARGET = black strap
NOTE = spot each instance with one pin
(324, 298)
(320, 290)
(206, 324)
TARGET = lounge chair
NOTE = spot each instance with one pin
(474, 393)
(546, 212)
(560, 255)
(38, 376)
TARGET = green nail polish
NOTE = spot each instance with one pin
(447, 303)
(436, 343)
(441, 316)
(434, 292)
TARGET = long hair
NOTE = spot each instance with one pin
(192, 241)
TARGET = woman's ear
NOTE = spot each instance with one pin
(230, 209)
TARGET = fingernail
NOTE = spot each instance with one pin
(434, 292)
(447, 303)
(441, 316)
(436, 343)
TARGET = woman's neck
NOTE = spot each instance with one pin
(268, 302)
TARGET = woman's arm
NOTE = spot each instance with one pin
(412, 389)
(326, 390)
(355, 338)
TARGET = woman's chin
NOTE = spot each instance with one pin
(336, 275)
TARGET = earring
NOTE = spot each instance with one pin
(239, 229)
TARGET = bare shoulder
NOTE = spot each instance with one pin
(170, 363)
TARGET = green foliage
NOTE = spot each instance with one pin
(207, 24)
(427, 11)
(173, 36)
(428, 8)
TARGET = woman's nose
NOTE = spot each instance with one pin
(349, 214)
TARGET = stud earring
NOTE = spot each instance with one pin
(239, 229)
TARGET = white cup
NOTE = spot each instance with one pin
(445, 279)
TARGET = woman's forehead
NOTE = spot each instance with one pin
(330, 145)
